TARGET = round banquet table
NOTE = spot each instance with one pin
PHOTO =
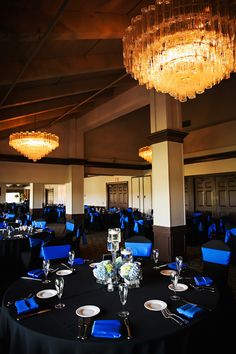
(56, 331)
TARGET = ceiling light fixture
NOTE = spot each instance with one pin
(146, 153)
(34, 144)
(182, 47)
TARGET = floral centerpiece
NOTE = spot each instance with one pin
(131, 273)
(103, 271)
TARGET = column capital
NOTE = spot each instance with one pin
(168, 135)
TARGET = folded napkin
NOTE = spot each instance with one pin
(35, 273)
(78, 261)
(106, 329)
(202, 281)
(173, 265)
(189, 310)
(23, 306)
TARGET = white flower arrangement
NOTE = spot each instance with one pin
(130, 271)
(119, 262)
(103, 270)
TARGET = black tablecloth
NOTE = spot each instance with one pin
(56, 331)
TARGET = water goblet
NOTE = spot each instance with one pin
(174, 281)
(123, 293)
(71, 259)
(179, 264)
(155, 255)
(59, 285)
(46, 266)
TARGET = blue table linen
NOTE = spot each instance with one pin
(24, 306)
(35, 273)
(173, 265)
(106, 329)
(189, 310)
(202, 281)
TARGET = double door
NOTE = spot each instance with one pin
(141, 192)
(117, 195)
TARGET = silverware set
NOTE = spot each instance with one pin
(127, 325)
(203, 288)
(83, 327)
(170, 315)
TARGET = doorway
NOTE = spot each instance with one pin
(117, 195)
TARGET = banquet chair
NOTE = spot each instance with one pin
(39, 223)
(230, 239)
(52, 252)
(216, 259)
(139, 245)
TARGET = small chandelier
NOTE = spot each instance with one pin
(146, 153)
(182, 47)
(35, 144)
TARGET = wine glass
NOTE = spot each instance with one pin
(123, 293)
(59, 285)
(179, 264)
(46, 266)
(71, 259)
(174, 280)
(155, 255)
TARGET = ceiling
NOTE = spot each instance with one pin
(60, 58)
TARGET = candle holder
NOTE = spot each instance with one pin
(113, 246)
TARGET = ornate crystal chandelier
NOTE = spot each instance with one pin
(35, 144)
(182, 47)
(146, 153)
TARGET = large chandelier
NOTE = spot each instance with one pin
(35, 144)
(182, 47)
(146, 153)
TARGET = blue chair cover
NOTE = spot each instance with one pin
(54, 252)
(216, 252)
(28, 217)
(228, 233)
(130, 210)
(137, 223)
(41, 224)
(200, 226)
(140, 249)
(123, 220)
(211, 230)
(70, 226)
(34, 242)
(91, 217)
(10, 216)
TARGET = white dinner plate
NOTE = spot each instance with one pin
(92, 265)
(180, 287)
(46, 294)
(64, 272)
(155, 305)
(167, 272)
(87, 311)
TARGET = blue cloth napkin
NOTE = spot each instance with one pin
(23, 306)
(202, 281)
(189, 310)
(35, 273)
(106, 329)
(78, 261)
(173, 265)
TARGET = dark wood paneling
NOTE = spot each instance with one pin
(117, 195)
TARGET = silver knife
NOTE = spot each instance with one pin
(86, 326)
(126, 322)
(162, 266)
(65, 265)
(29, 278)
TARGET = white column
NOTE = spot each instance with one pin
(75, 191)
(36, 199)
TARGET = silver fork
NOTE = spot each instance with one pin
(202, 288)
(177, 316)
(166, 315)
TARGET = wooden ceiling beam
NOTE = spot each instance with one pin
(61, 66)
(29, 24)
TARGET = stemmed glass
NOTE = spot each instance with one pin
(174, 280)
(123, 293)
(59, 285)
(155, 255)
(46, 266)
(71, 259)
(179, 264)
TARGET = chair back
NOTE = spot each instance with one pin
(139, 245)
(41, 224)
(216, 251)
(55, 252)
(70, 226)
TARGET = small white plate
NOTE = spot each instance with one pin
(92, 265)
(46, 294)
(64, 272)
(87, 311)
(155, 305)
(180, 287)
(167, 272)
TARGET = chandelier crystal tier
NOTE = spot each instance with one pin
(34, 144)
(182, 47)
(146, 153)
